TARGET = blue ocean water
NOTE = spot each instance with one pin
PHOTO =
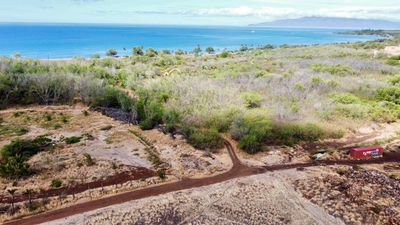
(71, 40)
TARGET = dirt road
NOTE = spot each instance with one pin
(238, 170)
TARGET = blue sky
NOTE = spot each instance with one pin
(203, 12)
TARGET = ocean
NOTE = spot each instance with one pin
(84, 40)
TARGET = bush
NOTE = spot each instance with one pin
(109, 98)
(210, 50)
(395, 80)
(25, 148)
(332, 69)
(150, 113)
(290, 134)
(88, 159)
(252, 99)
(223, 55)
(179, 52)
(204, 138)
(137, 51)
(161, 173)
(85, 113)
(254, 123)
(126, 103)
(14, 167)
(151, 52)
(346, 98)
(250, 144)
(170, 120)
(56, 183)
(111, 52)
(72, 140)
(390, 94)
(393, 61)
(243, 48)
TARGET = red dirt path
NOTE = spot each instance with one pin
(237, 170)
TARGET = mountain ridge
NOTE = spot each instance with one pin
(332, 22)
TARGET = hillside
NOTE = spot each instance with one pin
(332, 22)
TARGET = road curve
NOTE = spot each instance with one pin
(238, 170)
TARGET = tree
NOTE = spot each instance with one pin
(28, 192)
(12, 193)
(243, 48)
(210, 50)
(179, 52)
(111, 52)
(138, 50)
(165, 52)
(197, 50)
(151, 52)
(17, 55)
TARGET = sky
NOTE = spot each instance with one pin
(190, 12)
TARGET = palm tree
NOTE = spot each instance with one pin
(12, 193)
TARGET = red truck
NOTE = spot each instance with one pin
(366, 152)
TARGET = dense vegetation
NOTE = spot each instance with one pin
(14, 156)
(268, 95)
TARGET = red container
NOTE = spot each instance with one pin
(366, 152)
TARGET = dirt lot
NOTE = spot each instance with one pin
(260, 199)
(318, 195)
(111, 144)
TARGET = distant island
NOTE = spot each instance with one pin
(332, 22)
(372, 32)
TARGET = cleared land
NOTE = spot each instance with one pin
(273, 107)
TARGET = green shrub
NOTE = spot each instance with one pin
(56, 183)
(14, 167)
(111, 52)
(393, 61)
(64, 118)
(390, 94)
(72, 140)
(137, 51)
(253, 123)
(223, 55)
(204, 138)
(161, 173)
(18, 114)
(88, 159)
(395, 80)
(290, 134)
(150, 113)
(21, 131)
(151, 52)
(385, 112)
(109, 98)
(25, 148)
(210, 50)
(252, 99)
(170, 120)
(250, 144)
(126, 103)
(332, 69)
(346, 98)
